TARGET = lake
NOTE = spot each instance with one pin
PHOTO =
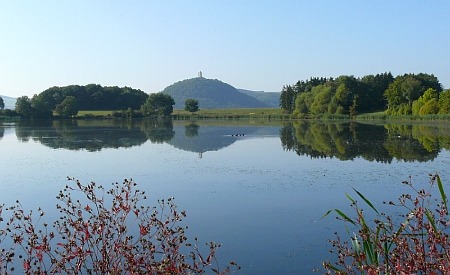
(258, 188)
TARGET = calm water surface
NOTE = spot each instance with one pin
(259, 189)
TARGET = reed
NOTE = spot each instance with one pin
(415, 242)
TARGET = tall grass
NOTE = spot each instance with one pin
(416, 242)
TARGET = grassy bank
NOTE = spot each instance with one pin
(270, 114)
(384, 116)
(243, 113)
(95, 113)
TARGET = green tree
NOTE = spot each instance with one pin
(411, 89)
(2, 103)
(23, 107)
(427, 103)
(444, 102)
(401, 93)
(429, 81)
(287, 99)
(41, 107)
(67, 108)
(430, 107)
(372, 98)
(322, 97)
(406, 89)
(191, 105)
(347, 92)
(303, 103)
(158, 104)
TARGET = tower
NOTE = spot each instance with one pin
(200, 75)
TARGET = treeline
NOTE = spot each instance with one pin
(95, 97)
(346, 95)
(67, 101)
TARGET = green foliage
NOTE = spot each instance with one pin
(23, 107)
(290, 93)
(345, 95)
(427, 103)
(2, 103)
(408, 88)
(303, 103)
(41, 108)
(8, 113)
(351, 96)
(372, 90)
(191, 105)
(67, 108)
(158, 104)
(95, 97)
(430, 107)
(414, 243)
(322, 97)
(287, 99)
(347, 89)
(444, 102)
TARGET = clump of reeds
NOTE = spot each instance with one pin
(415, 242)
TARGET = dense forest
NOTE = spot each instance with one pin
(66, 101)
(406, 94)
(95, 97)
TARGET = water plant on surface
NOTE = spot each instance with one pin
(415, 242)
(102, 232)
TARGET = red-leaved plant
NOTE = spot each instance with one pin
(417, 242)
(103, 232)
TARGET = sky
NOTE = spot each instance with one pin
(257, 45)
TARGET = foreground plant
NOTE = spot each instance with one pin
(416, 242)
(103, 232)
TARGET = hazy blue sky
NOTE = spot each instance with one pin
(256, 45)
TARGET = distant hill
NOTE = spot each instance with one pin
(272, 99)
(211, 94)
(10, 102)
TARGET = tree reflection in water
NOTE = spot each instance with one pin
(316, 139)
(381, 143)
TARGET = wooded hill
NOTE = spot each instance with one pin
(211, 94)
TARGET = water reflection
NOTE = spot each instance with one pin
(193, 137)
(157, 131)
(342, 140)
(381, 143)
(92, 135)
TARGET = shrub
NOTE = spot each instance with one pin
(103, 232)
(416, 242)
